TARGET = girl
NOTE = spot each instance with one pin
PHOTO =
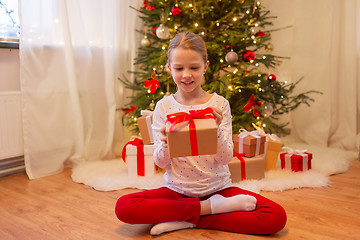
(198, 191)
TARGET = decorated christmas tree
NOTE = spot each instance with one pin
(242, 67)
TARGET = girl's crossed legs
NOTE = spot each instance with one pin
(165, 205)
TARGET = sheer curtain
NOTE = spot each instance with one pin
(324, 45)
(71, 54)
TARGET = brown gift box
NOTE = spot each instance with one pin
(179, 138)
(254, 168)
(249, 145)
(144, 124)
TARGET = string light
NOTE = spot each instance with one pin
(239, 90)
(264, 57)
(234, 19)
(264, 125)
(221, 60)
(196, 24)
(217, 24)
(259, 81)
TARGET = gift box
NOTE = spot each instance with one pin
(272, 150)
(144, 123)
(298, 161)
(249, 143)
(243, 168)
(192, 134)
(139, 158)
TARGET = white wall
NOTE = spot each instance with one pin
(9, 70)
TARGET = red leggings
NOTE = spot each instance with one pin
(166, 205)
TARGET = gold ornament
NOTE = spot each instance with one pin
(152, 105)
(145, 42)
(269, 48)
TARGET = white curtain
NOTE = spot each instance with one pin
(323, 41)
(71, 54)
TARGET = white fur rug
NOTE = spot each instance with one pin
(112, 174)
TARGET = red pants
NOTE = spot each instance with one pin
(165, 205)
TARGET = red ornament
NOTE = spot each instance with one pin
(154, 30)
(249, 56)
(260, 34)
(271, 77)
(251, 105)
(176, 11)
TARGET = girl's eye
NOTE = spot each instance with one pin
(178, 69)
(195, 68)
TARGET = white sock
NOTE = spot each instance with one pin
(169, 226)
(237, 203)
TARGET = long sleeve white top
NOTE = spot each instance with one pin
(194, 176)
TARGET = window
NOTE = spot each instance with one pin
(9, 24)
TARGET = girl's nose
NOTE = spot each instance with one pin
(187, 74)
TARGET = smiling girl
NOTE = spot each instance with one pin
(198, 191)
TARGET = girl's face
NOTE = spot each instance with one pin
(187, 69)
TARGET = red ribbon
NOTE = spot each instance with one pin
(153, 84)
(251, 103)
(242, 163)
(183, 116)
(140, 155)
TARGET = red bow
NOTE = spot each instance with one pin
(242, 162)
(251, 104)
(153, 84)
(127, 110)
(140, 155)
(183, 116)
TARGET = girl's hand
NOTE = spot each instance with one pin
(218, 114)
(163, 139)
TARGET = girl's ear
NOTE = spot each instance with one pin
(206, 65)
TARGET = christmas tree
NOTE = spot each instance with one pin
(241, 64)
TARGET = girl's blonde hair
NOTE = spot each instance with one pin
(187, 40)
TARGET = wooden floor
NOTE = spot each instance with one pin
(56, 208)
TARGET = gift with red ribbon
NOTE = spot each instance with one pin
(139, 158)
(243, 168)
(192, 134)
(296, 160)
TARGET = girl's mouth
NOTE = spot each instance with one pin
(187, 83)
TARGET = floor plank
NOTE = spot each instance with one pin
(57, 208)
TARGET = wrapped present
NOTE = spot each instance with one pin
(243, 168)
(272, 149)
(250, 143)
(296, 160)
(140, 161)
(144, 123)
(192, 134)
